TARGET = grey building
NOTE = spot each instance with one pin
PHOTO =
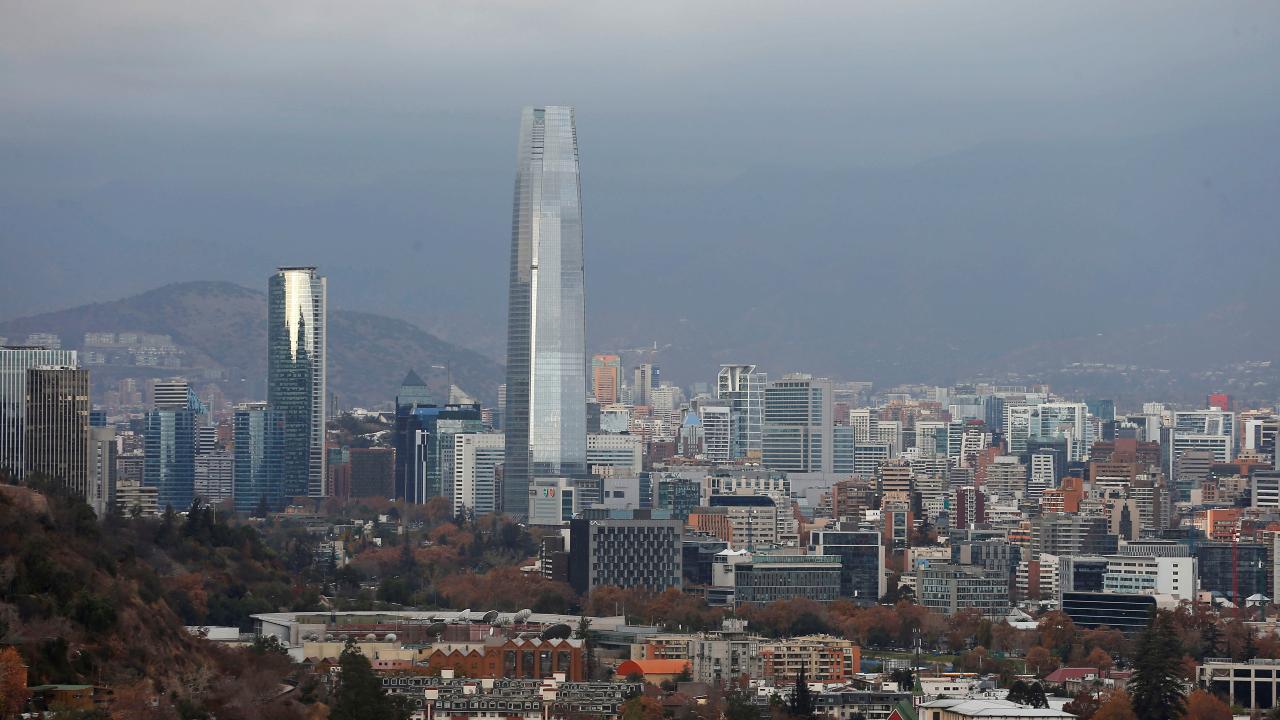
(15, 361)
(546, 413)
(297, 327)
(798, 433)
(635, 552)
(1068, 534)
(949, 588)
(765, 578)
(1253, 685)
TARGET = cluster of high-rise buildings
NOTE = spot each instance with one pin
(748, 487)
(173, 453)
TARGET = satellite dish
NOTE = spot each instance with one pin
(462, 616)
(559, 631)
(522, 615)
(490, 617)
(436, 628)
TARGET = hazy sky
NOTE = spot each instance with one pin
(144, 142)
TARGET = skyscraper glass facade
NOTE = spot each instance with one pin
(546, 412)
(170, 447)
(296, 348)
(258, 474)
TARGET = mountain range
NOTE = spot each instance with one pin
(221, 328)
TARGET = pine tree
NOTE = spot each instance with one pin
(1156, 687)
(801, 705)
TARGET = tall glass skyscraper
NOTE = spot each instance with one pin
(546, 413)
(297, 318)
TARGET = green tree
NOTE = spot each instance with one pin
(1156, 688)
(360, 695)
(1030, 694)
(801, 704)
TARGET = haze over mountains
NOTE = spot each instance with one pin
(1159, 252)
(222, 327)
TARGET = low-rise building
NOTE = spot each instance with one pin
(823, 658)
(948, 588)
(1253, 685)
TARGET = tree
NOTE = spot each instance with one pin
(13, 683)
(801, 705)
(1202, 705)
(1041, 661)
(738, 705)
(360, 695)
(904, 677)
(1157, 670)
(1117, 707)
(1083, 705)
(1099, 659)
(1030, 694)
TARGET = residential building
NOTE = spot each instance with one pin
(215, 476)
(476, 459)
(948, 588)
(822, 659)
(615, 454)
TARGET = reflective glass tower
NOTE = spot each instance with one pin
(296, 328)
(546, 412)
(258, 477)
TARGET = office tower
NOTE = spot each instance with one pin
(844, 450)
(642, 385)
(1064, 534)
(546, 415)
(861, 562)
(258, 469)
(606, 378)
(102, 469)
(476, 457)
(717, 431)
(428, 440)
(742, 387)
(372, 472)
(14, 364)
(636, 551)
(410, 481)
(1017, 427)
(173, 393)
(1212, 431)
(297, 324)
(610, 454)
(948, 589)
(170, 447)
(57, 426)
(798, 435)
(1066, 420)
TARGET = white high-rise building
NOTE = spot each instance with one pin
(476, 457)
(1210, 430)
(1065, 420)
(615, 454)
(717, 432)
(1132, 574)
(742, 387)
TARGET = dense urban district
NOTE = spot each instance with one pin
(596, 541)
